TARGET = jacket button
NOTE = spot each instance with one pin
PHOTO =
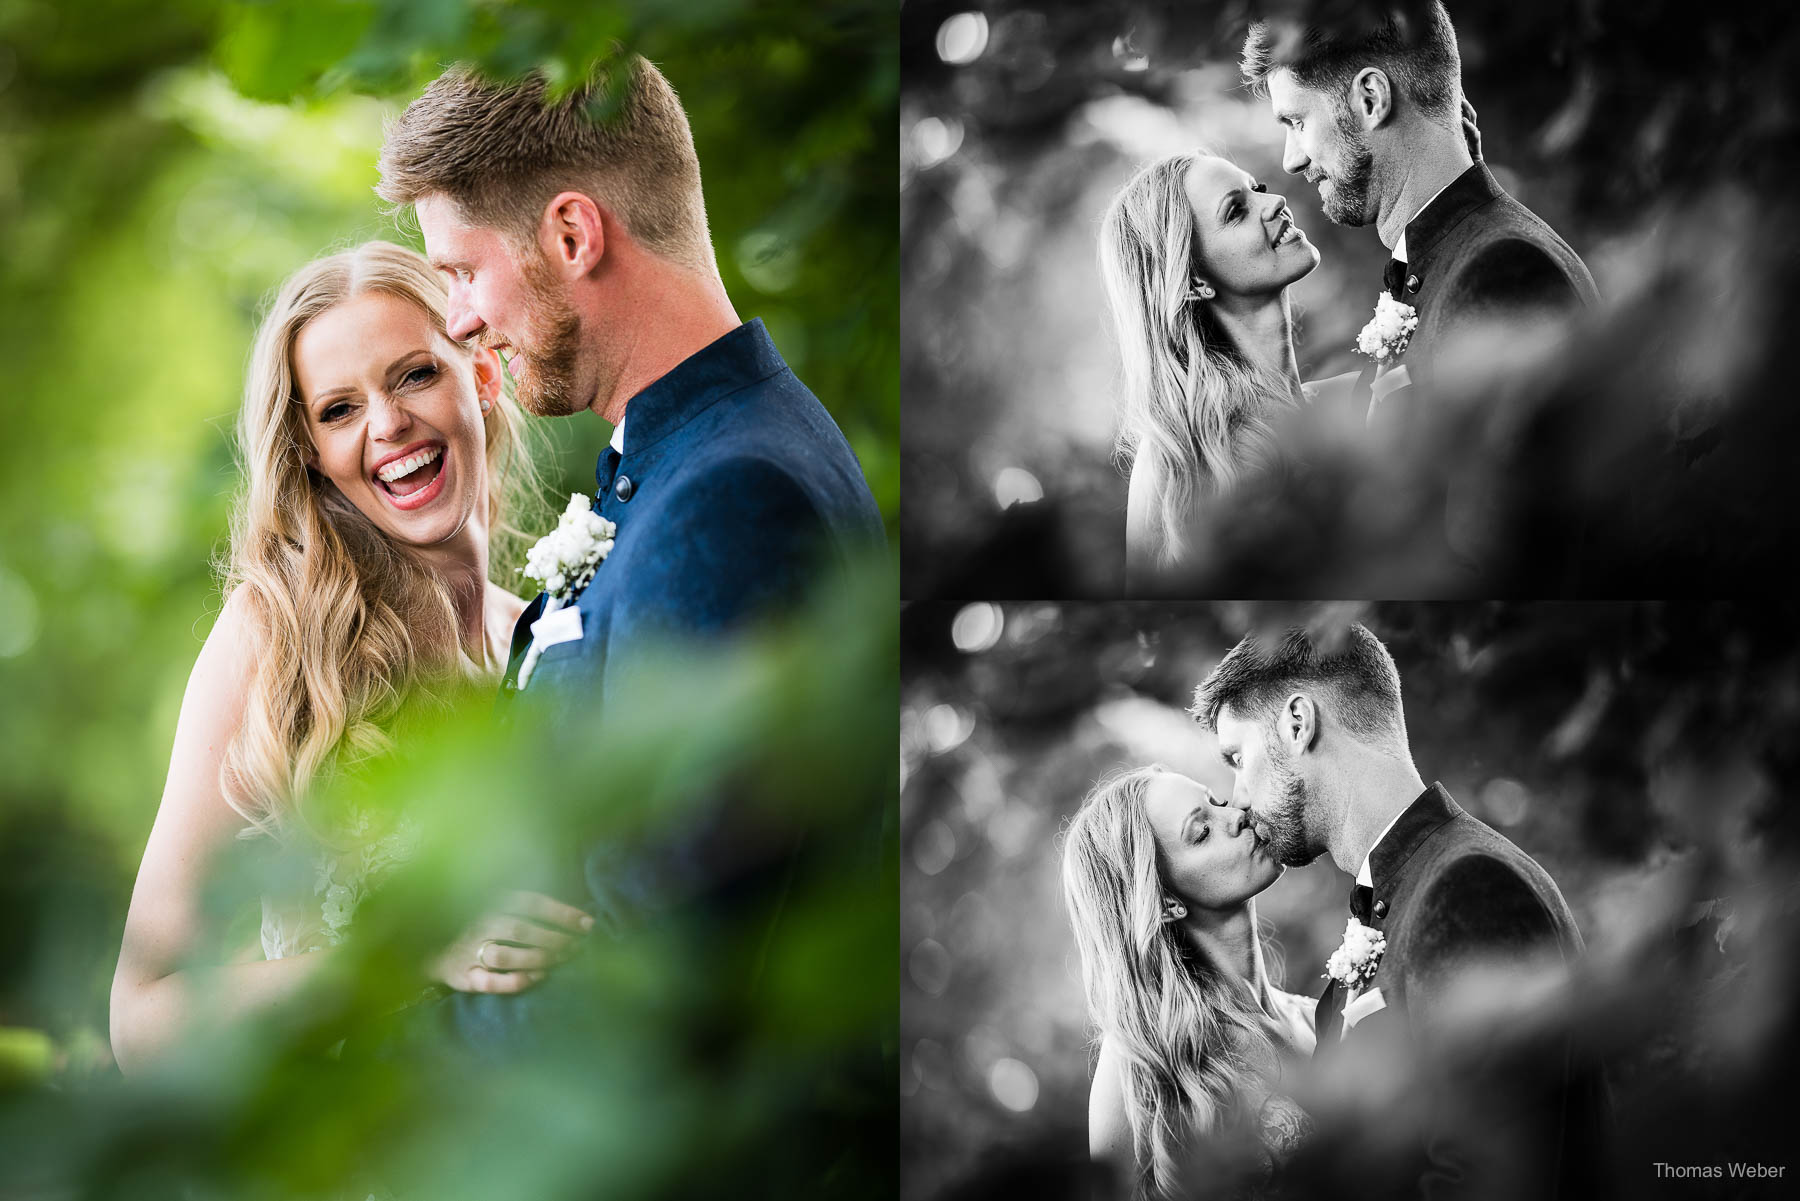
(1380, 908)
(624, 488)
(1412, 283)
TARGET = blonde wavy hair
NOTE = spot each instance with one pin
(1189, 1040)
(349, 623)
(1195, 408)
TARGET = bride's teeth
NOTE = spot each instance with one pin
(408, 465)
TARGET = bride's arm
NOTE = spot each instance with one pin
(1140, 526)
(160, 982)
(1109, 1130)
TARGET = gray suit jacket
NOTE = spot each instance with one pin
(1451, 893)
(1476, 255)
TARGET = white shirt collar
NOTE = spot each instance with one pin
(1400, 246)
(618, 438)
(1362, 873)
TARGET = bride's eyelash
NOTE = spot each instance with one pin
(430, 369)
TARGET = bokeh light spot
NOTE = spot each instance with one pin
(962, 38)
(1013, 1084)
(18, 615)
(946, 728)
(935, 848)
(977, 627)
(929, 966)
(1506, 801)
(935, 139)
(1016, 486)
(768, 262)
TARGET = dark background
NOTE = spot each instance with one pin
(1642, 753)
(1652, 136)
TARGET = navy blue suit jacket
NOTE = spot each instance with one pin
(736, 495)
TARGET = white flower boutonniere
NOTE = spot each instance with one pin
(1353, 964)
(1387, 335)
(565, 559)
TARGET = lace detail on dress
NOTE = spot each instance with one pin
(301, 922)
(1283, 1125)
(341, 879)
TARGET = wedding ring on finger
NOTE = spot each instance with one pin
(481, 956)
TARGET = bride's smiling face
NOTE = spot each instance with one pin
(1249, 244)
(1206, 850)
(394, 412)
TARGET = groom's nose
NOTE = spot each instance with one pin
(1294, 160)
(461, 323)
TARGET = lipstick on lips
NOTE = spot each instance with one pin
(407, 462)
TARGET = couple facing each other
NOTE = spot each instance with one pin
(1198, 258)
(1160, 877)
(381, 454)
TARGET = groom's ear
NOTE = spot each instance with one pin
(1299, 722)
(1372, 97)
(572, 233)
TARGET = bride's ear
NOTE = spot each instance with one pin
(487, 377)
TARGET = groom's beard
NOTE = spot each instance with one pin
(547, 388)
(1284, 823)
(1347, 203)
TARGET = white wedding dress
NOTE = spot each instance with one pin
(301, 918)
(318, 918)
(1283, 1124)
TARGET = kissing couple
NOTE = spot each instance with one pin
(1198, 257)
(382, 453)
(1446, 918)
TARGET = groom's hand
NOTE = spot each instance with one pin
(514, 948)
(1471, 131)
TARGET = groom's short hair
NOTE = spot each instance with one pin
(1348, 663)
(1413, 43)
(500, 151)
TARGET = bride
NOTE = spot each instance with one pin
(1197, 257)
(378, 456)
(1160, 878)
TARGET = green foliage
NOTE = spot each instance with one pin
(162, 168)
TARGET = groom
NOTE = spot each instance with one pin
(1373, 114)
(573, 238)
(1315, 734)
(576, 245)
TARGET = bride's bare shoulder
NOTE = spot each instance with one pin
(504, 606)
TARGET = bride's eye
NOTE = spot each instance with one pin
(334, 411)
(419, 375)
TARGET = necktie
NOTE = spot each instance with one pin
(1361, 896)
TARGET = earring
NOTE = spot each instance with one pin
(1173, 910)
(1201, 291)
(487, 406)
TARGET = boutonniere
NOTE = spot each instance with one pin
(565, 559)
(1388, 333)
(1353, 964)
